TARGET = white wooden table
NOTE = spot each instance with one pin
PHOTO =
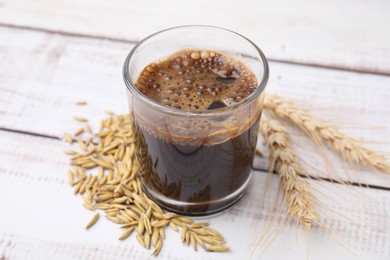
(332, 56)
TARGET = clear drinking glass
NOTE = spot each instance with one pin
(195, 162)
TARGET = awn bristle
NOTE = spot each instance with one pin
(297, 192)
(115, 188)
(349, 148)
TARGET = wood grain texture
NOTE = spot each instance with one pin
(42, 219)
(344, 34)
(38, 90)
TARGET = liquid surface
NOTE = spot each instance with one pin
(197, 80)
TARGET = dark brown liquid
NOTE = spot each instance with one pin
(193, 170)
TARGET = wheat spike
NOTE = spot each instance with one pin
(349, 148)
(296, 190)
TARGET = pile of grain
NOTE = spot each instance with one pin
(106, 172)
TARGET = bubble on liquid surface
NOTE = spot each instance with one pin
(197, 80)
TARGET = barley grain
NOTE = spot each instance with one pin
(200, 232)
(177, 222)
(132, 214)
(217, 248)
(140, 240)
(88, 179)
(102, 206)
(161, 231)
(213, 232)
(141, 226)
(110, 175)
(199, 241)
(92, 221)
(158, 247)
(80, 119)
(259, 153)
(162, 223)
(100, 163)
(140, 200)
(104, 197)
(77, 187)
(88, 206)
(70, 178)
(187, 238)
(88, 128)
(147, 224)
(109, 112)
(119, 206)
(147, 240)
(89, 194)
(198, 225)
(183, 233)
(149, 212)
(79, 132)
(114, 219)
(114, 182)
(157, 215)
(82, 145)
(70, 152)
(92, 181)
(127, 233)
(184, 219)
(103, 181)
(193, 242)
(119, 200)
(211, 240)
(173, 226)
(169, 215)
(130, 224)
(111, 159)
(80, 172)
(155, 236)
(83, 188)
(68, 138)
(122, 218)
(81, 102)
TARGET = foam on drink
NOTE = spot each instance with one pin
(197, 80)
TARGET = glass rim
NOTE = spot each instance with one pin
(131, 86)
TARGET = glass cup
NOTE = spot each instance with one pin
(195, 162)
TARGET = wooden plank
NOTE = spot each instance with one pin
(342, 34)
(39, 89)
(41, 217)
